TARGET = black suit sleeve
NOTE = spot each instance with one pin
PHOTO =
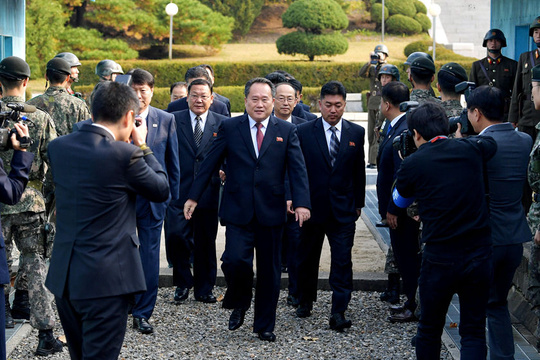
(360, 176)
(146, 176)
(297, 173)
(12, 185)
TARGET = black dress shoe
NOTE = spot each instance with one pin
(292, 301)
(405, 316)
(391, 296)
(304, 310)
(142, 325)
(396, 309)
(237, 319)
(181, 294)
(207, 299)
(338, 322)
(267, 336)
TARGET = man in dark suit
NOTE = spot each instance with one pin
(217, 96)
(196, 129)
(163, 141)
(259, 149)
(403, 229)
(446, 178)
(198, 72)
(284, 104)
(333, 149)
(506, 174)
(96, 268)
(301, 109)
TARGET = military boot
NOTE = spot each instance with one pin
(21, 305)
(9, 319)
(47, 343)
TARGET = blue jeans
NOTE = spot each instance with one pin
(445, 271)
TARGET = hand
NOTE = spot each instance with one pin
(458, 131)
(416, 218)
(138, 134)
(290, 209)
(302, 214)
(222, 176)
(391, 220)
(537, 238)
(22, 130)
(189, 208)
(358, 213)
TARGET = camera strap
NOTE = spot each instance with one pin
(485, 73)
(438, 138)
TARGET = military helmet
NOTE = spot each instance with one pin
(415, 55)
(535, 73)
(381, 48)
(108, 67)
(70, 58)
(494, 34)
(535, 25)
(59, 65)
(14, 68)
(423, 64)
(455, 70)
(389, 69)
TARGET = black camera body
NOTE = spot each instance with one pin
(404, 142)
(13, 115)
(463, 119)
(375, 58)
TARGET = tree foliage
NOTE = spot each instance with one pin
(89, 44)
(312, 45)
(376, 13)
(244, 12)
(401, 7)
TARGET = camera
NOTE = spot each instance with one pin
(375, 57)
(13, 115)
(463, 119)
(404, 142)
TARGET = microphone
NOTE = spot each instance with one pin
(23, 107)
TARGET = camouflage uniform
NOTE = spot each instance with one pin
(64, 109)
(452, 107)
(422, 96)
(24, 222)
(534, 223)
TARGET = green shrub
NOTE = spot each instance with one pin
(424, 20)
(312, 45)
(401, 7)
(315, 16)
(400, 24)
(442, 52)
(376, 13)
(420, 7)
(415, 46)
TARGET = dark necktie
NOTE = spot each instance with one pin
(334, 145)
(259, 136)
(197, 134)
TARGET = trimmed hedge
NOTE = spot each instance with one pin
(401, 24)
(401, 7)
(420, 7)
(424, 21)
(312, 45)
(442, 52)
(376, 13)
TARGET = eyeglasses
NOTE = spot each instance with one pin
(284, 99)
(197, 97)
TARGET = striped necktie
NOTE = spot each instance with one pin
(334, 145)
(197, 134)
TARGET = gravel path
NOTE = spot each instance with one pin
(199, 331)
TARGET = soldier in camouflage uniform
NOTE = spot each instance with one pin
(534, 211)
(421, 75)
(74, 62)
(370, 70)
(448, 77)
(64, 109)
(24, 222)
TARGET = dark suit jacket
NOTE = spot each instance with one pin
(507, 174)
(224, 100)
(97, 179)
(339, 190)
(296, 121)
(388, 163)
(77, 126)
(162, 139)
(181, 104)
(191, 157)
(255, 186)
(300, 112)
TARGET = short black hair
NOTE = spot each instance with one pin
(178, 83)
(142, 77)
(489, 100)
(200, 82)
(421, 77)
(55, 77)
(429, 120)
(259, 80)
(333, 87)
(111, 100)
(395, 93)
(10, 83)
(209, 67)
(276, 77)
(196, 72)
(297, 85)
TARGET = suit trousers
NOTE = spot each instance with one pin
(241, 241)
(505, 261)
(94, 328)
(406, 248)
(291, 240)
(149, 232)
(465, 272)
(341, 240)
(197, 236)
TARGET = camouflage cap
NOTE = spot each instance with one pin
(59, 65)
(14, 68)
(535, 72)
(455, 70)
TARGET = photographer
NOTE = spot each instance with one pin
(24, 223)
(445, 177)
(370, 70)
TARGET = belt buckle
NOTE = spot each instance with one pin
(374, 93)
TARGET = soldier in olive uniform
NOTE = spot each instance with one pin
(24, 222)
(370, 70)
(64, 109)
(421, 75)
(74, 62)
(448, 77)
(495, 69)
(522, 112)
